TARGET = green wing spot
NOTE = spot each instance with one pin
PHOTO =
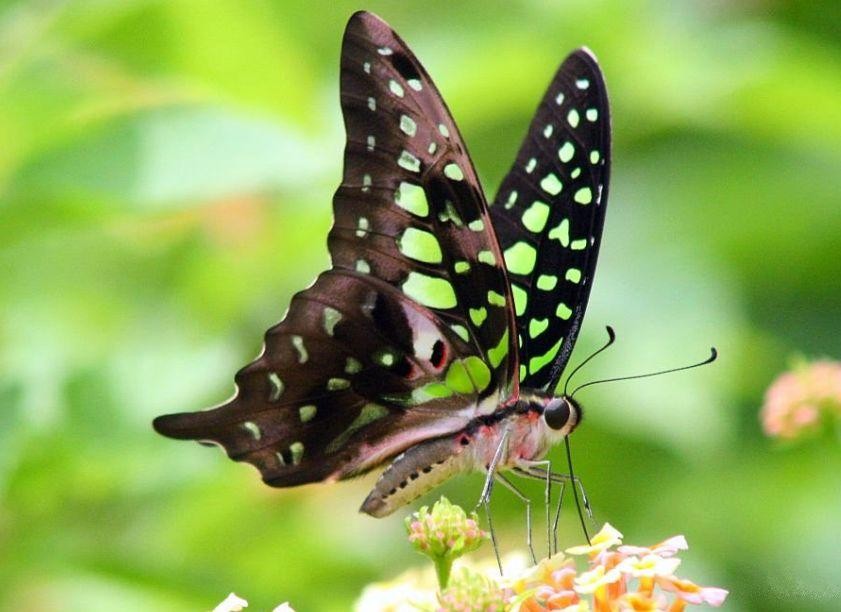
(444, 131)
(384, 358)
(461, 267)
(476, 226)
(495, 299)
(415, 84)
(307, 413)
(561, 232)
(469, 375)
(337, 384)
(546, 282)
(563, 311)
(520, 258)
(368, 414)
(420, 245)
(579, 244)
(297, 450)
(523, 371)
(452, 171)
(512, 199)
(576, 172)
(521, 299)
(408, 162)
(573, 275)
(362, 266)
(539, 362)
(537, 327)
(461, 330)
(478, 315)
(412, 198)
(430, 391)
(535, 216)
(352, 366)
(277, 387)
(595, 156)
(551, 184)
(572, 118)
(592, 114)
(298, 343)
(583, 195)
(487, 257)
(408, 125)
(331, 318)
(498, 353)
(566, 152)
(430, 291)
(450, 214)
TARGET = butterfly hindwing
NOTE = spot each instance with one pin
(411, 333)
(548, 216)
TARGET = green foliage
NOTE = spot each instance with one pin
(165, 182)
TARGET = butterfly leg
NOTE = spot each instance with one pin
(536, 471)
(485, 498)
(510, 486)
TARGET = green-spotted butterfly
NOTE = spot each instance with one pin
(435, 342)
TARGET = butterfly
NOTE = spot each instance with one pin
(434, 343)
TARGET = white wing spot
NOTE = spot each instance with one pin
(573, 118)
(395, 88)
(362, 227)
(592, 114)
(432, 148)
(277, 387)
(372, 104)
(559, 99)
(531, 165)
(252, 428)
(366, 183)
(443, 130)
(362, 266)
(408, 125)
(384, 51)
(547, 131)
(372, 142)
(414, 84)
(367, 67)
(582, 83)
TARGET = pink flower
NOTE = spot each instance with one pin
(796, 400)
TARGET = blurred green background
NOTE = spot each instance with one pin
(166, 172)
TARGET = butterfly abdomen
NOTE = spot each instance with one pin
(418, 470)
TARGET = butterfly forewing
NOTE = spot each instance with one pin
(411, 334)
(548, 216)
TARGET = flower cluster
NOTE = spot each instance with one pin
(235, 603)
(444, 534)
(617, 578)
(798, 400)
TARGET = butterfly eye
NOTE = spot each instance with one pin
(557, 413)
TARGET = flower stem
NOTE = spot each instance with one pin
(443, 565)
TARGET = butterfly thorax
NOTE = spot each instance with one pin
(521, 428)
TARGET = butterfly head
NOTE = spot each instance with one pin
(562, 414)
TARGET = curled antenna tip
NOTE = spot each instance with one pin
(610, 333)
(713, 355)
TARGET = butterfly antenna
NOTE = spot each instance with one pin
(713, 356)
(575, 490)
(611, 337)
